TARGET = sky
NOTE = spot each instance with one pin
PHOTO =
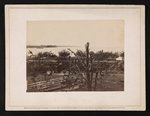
(101, 34)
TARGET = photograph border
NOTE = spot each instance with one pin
(142, 52)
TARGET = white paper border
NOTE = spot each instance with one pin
(133, 98)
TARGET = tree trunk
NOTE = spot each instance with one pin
(96, 81)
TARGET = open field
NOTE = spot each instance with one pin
(110, 82)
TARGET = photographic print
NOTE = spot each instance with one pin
(75, 55)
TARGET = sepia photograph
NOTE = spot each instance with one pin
(75, 55)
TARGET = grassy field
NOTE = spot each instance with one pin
(110, 82)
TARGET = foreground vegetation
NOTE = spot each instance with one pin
(82, 71)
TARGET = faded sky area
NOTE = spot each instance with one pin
(102, 34)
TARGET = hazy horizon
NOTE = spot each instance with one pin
(35, 51)
(107, 35)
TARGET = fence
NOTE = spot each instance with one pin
(44, 85)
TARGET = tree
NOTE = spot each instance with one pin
(46, 55)
(52, 55)
(99, 55)
(64, 54)
(40, 54)
(80, 53)
(63, 60)
(92, 54)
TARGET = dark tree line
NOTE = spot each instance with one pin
(43, 60)
(100, 55)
